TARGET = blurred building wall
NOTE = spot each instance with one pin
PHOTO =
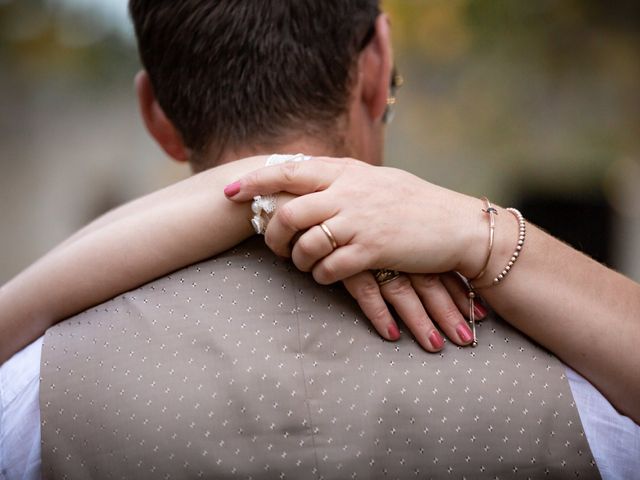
(70, 156)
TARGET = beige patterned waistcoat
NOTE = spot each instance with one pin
(241, 367)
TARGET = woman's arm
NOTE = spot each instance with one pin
(135, 243)
(587, 314)
(584, 312)
(175, 227)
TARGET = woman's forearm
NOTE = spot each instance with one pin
(142, 240)
(585, 313)
(185, 189)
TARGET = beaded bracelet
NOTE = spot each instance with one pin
(522, 232)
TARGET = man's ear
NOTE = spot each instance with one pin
(376, 65)
(157, 123)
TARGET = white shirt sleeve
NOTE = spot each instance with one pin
(20, 414)
(614, 439)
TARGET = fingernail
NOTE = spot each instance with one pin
(464, 332)
(436, 340)
(393, 332)
(479, 311)
(232, 189)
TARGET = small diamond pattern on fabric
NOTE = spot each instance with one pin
(242, 367)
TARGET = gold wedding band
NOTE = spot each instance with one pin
(329, 235)
(385, 275)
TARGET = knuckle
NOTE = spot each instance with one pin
(274, 245)
(251, 181)
(290, 171)
(401, 286)
(269, 239)
(325, 273)
(343, 168)
(420, 326)
(286, 216)
(427, 281)
(305, 247)
(355, 162)
(378, 315)
(301, 265)
(450, 315)
(367, 290)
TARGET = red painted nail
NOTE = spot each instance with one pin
(232, 189)
(464, 332)
(393, 332)
(436, 340)
(479, 311)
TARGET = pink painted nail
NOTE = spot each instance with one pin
(479, 311)
(393, 332)
(232, 189)
(464, 332)
(436, 340)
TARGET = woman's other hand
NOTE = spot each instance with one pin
(419, 300)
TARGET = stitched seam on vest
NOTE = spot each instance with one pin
(306, 393)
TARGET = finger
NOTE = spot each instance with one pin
(344, 161)
(342, 263)
(402, 296)
(312, 246)
(293, 177)
(363, 287)
(296, 216)
(441, 307)
(459, 293)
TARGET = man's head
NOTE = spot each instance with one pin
(232, 77)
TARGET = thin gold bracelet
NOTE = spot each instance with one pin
(522, 233)
(492, 212)
(471, 294)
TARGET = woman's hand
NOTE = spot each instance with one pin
(420, 300)
(346, 199)
(380, 218)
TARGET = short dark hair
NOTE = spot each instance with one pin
(242, 72)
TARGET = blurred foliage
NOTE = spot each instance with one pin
(439, 26)
(540, 92)
(40, 40)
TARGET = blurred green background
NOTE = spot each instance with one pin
(534, 104)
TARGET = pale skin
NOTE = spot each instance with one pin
(584, 312)
(169, 229)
